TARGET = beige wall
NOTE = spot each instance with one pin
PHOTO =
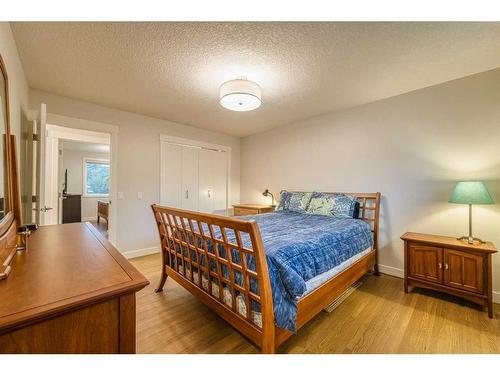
(139, 161)
(411, 148)
(73, 162)
(18, 87)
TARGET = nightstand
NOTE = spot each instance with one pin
(251, 209)
(450, 266)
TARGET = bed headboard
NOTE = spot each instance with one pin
(369, 210)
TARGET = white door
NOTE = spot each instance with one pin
(171, 175)
(212, 193)
(194, 177)
(190, 157)
(220, 171)
(42, 207)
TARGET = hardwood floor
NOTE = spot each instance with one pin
(101, 227)
(377, 318)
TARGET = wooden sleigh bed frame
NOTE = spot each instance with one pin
(176, 225)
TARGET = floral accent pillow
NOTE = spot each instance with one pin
(284, 201)
(339, 205)
(321, 204)
(299, 202)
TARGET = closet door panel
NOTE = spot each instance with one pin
(206, 181)
(190, 156)
(171, 175)
(219, 169)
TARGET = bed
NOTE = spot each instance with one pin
(267, 275)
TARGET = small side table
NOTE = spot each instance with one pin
(450, 266)
(251, 209)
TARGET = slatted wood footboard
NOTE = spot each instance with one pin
(207, 255)
(221, 260)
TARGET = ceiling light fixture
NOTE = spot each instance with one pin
(240, 95)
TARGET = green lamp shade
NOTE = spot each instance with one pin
(471, 192)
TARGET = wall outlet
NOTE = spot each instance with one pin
(120, 195)
(139, 195)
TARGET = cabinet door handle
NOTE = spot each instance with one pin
(440, 265)
(446, 266)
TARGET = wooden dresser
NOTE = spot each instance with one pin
(70, 292)
(451, 266)
(251, 209)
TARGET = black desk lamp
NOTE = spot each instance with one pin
(267, 193)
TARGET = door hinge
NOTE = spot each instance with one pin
(34, 199)
(36, 137)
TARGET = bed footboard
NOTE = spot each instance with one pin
(221, 260)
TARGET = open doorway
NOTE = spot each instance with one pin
(84, 176)
(77, 177)
(44, 138)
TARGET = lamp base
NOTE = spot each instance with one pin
(470, 240)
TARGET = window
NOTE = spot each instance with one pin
(96, 177)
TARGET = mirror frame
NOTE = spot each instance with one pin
(8, 225)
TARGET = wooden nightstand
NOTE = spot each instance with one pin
(251, 209)
(451, 266)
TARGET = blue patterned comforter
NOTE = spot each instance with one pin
(301, 246)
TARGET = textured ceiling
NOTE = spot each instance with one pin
(173, 70)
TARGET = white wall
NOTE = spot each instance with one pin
(410, 147)
(139, 161)
(73, 162)
(18, 86)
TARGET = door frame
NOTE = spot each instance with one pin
(200, 144)
(72, 126)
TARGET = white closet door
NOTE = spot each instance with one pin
(171, 175)
(190, 157)
(212, 181)
(206, 185)
(220, 182)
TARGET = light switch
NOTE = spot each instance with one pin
(139, 195)
(120, 195)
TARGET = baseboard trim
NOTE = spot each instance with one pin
(398, 272)
(90, 218)
(391, 271)
(141, 252)
(496, 297)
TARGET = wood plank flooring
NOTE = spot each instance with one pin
(377, 318)
(101, 227)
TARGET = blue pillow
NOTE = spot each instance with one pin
(334, 204)
(299, 202)
(284, 201)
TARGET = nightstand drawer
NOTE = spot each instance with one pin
(238, 211)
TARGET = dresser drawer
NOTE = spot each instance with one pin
(238, 211)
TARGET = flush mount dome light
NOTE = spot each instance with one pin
(240, 95)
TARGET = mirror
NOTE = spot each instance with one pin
(4, 112)
(8, 172)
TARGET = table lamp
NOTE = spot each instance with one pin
(470, 192)
(267, 193)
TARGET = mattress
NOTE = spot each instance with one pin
(319, 280)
